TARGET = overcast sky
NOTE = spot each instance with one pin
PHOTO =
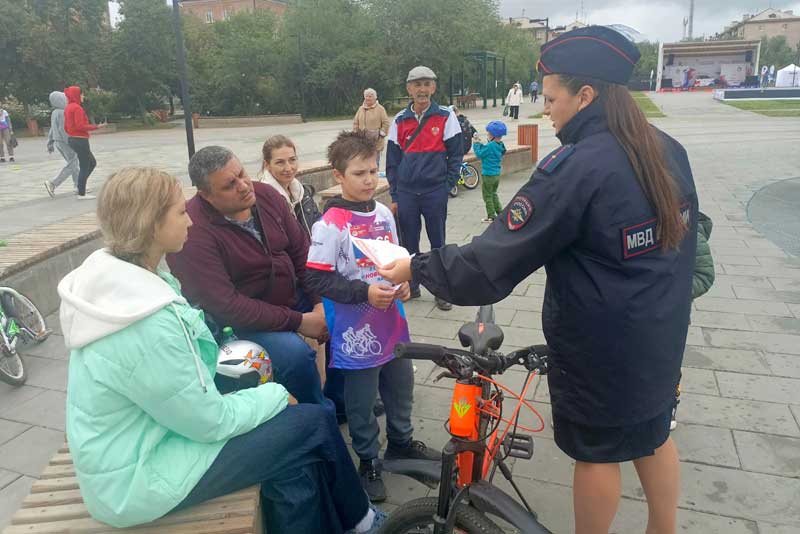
(659, 20)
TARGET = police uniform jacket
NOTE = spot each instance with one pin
(616, 306)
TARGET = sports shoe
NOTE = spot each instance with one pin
(50, 189)
(415, 293)
(2, 160)
(415, 450)
(11, 158)
(372, 480)
(443, 304)
(377, 522)
(86, 197)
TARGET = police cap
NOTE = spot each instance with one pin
(594, 52)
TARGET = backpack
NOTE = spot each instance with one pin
(467, 131)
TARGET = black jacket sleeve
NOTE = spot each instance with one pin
(336, 287)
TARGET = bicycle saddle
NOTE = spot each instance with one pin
(481, 337)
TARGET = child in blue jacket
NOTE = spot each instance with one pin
(491, 156)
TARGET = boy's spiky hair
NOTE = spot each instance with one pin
(349, 145)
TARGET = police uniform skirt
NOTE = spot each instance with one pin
(611, 444)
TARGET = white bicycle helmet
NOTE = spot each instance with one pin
(238, 358)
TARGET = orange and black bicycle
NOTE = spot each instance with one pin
(482, 438)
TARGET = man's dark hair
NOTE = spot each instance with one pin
(349, 145)
(206, 162)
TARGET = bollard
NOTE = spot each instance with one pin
(528, 135)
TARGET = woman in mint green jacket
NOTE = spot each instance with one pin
(147, 428)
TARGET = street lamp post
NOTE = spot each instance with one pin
(181, 57)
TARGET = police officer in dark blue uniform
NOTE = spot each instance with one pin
(612, 216)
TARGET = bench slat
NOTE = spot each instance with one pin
(233, 525)
(54, 484)
(52, 498)
(65, 520)
(58, 471)
(62, 458)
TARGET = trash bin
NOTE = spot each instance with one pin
(528, 135)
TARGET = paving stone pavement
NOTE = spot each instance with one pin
(739, 419)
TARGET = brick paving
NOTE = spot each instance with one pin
(739, 419)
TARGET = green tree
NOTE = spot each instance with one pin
(142, 70)
(48, 44)
(647, 62)
(776, 51)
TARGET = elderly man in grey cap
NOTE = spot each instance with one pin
(422, 164)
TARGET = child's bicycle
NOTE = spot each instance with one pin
(20, 320)
(478, 446)
(468, 176)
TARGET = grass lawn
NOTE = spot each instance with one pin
(647, 106)
(769, 108)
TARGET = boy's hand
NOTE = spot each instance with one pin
(403, 292)
(397, 272)
(292, 400)
(381, 296)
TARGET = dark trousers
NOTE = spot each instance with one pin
(433, 207)
(534, 96)
(308, 481)
(395, 381)
(85, 159)
(514, 112)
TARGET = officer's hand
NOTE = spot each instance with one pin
(381, 295)
(403, 292)
(397, 272)
(393, 207)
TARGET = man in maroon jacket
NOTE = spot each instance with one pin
(244, 263)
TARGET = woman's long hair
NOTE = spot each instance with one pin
(645, 151)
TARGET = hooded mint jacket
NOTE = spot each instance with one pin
(144, 419)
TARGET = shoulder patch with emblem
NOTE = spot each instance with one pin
(520, 211)
(550, 162)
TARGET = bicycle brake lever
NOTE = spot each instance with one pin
(445, 374)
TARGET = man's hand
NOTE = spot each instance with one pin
(292, 400)
(403, 292)
(313, 325)
(381, 295)
(50, 149)
(397, 272)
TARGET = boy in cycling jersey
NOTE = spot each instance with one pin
(364, 313)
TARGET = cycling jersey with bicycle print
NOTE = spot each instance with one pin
(362, 336)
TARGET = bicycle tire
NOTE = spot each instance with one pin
(413, 516)
(454, 191)
(471, 177)
(24, 312)
(15, 379)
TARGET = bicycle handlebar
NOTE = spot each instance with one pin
(462, 363)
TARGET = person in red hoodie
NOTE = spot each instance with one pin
(77, 126)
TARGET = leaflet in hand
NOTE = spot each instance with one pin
(381, 253)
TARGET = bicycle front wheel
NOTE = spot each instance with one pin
(25, 313)
(12, 370)
(471, 177)
(416, 517)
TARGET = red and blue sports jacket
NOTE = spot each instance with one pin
(432, 159)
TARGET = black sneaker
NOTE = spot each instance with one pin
(415, 450)
(2, 160)
(415, 292)
(372, 480)
(443, 304)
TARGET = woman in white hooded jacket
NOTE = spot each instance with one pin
(147, 428)
(514, 100)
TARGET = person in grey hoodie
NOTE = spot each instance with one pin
(57, 140)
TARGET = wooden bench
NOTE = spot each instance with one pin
(55, 506)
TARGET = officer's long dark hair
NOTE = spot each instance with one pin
(644, 149)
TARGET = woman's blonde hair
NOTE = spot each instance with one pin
(130, 205)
